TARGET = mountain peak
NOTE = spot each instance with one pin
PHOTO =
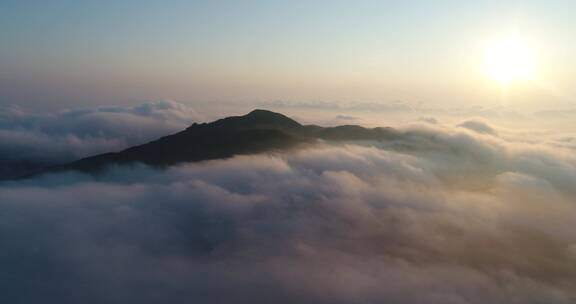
(262, 112)
(269, 116)
(259, 119)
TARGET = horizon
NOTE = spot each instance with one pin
(62, 54)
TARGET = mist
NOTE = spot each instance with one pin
(463, 213)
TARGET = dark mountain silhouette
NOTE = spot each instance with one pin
(256, 132)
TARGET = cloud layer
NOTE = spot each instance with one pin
(32, 140)
(442, 215)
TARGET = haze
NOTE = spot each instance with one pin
(67, 53)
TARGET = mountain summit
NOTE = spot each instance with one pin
(258, 119)
(256, 132)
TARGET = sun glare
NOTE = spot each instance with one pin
(509, 60)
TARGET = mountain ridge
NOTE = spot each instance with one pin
(256, 132)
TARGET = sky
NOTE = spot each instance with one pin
(58, 54)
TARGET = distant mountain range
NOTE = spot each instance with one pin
(256, 132)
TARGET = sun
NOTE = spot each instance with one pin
(510, 59)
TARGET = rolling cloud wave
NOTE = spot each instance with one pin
(443, 215)
(30, 140)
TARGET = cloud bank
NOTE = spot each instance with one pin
(442, 215)
(31, 140)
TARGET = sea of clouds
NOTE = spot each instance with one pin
(30, 140)
(447, 214)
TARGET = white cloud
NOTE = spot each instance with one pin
(442, 215)
(32, 140)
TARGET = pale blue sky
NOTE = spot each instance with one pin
(62, 53)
